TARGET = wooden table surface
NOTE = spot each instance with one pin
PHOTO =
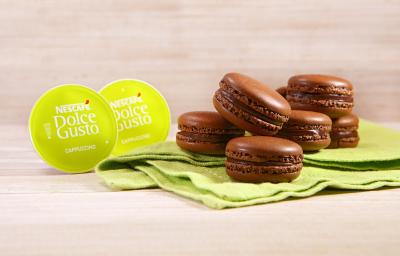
(45, 212)
(184, 48)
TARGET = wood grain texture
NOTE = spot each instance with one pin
(159, 223)
(184, 47)
(45, 212)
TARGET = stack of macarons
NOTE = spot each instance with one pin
(329, 95)
(283, 123)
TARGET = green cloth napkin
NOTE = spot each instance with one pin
(203, 178)
(379, 149)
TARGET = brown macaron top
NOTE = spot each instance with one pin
(346, 121)
(330, 95)
(255, 94)
(263, 149)
(320, 83)
(309, 129)
(282, 91)
(206, 122)
(303, 117)
(344, 132)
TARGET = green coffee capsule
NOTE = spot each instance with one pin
(142, 114)
(72, 128)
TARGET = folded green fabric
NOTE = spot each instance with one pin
(379, 149)
(203, 178)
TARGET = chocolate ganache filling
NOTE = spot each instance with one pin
(268, 163)
(344, 134)
(312, 96)
(315, 133)
(247, 109)
(210, 138)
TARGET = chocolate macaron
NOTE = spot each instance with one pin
(309, 129)
(250, 104)
(344, 132)
(205, 132)
(263, 159)
(330, 95)
(282, 91)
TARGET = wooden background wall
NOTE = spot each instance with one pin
(184, 47)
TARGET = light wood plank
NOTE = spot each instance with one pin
(45, 212)
(148, 223)
(184, 47)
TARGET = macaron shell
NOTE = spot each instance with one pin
(202, 147)
(309, 146)
(308, 118)
(207, 119)
(282, 91)
(240, 118)
(320, 81)
(350, 120)
(257, 91)
(332, 112)
(316, 86)
(261, 148)
(263, 159)
(300, 124)
(255, 174)
(205, 132)
(344, 143)
(347, 123)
